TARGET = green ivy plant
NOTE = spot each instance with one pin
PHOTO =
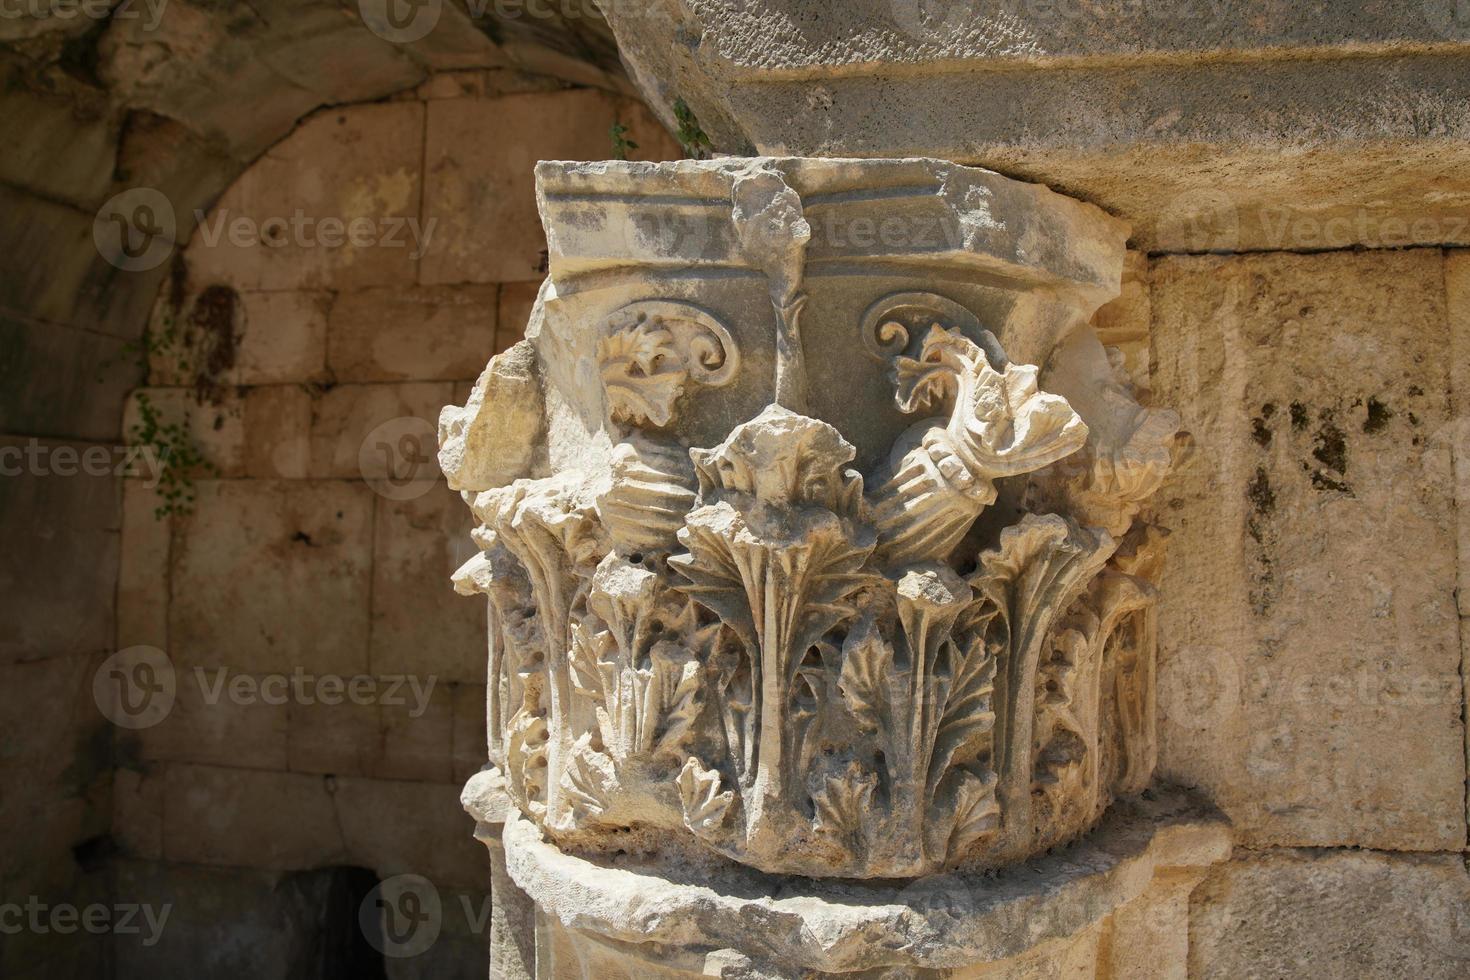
(153, 344)
(694, 140)
(178, 458)
(620, 142)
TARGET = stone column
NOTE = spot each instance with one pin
(811, 517)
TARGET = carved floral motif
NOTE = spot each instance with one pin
(651, 350)
(808, 669)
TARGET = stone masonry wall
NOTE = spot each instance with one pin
(1311, 656)
(321, 538)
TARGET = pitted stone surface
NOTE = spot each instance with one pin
(1211, 125)
(1310, 667)
(941, 922)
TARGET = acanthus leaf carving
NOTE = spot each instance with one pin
(773, 656)
(704, 803)
(590, 780)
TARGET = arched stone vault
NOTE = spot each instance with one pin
(91, 106)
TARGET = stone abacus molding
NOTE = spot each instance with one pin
(809, 518)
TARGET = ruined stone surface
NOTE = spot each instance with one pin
(142, 573)
(193, 65)
(1309, 668)
(1293, 913)
(207, 725)
(283, 338)
(249, 922)
(229, 604)
(343, 739)
(1209, 125)
(278, 432)
(373, 810)
(1149, 937)
(480, 188)
(49, 381)
(497, 436)
(416, 738)
(1457, 288)
(1124, 322)
(420, 626)
(1041, 915)
(516, 302)
(57, 799)
(353, 164)
(468, 739)
(95, 104)
(419, 334)
(67, 282)
(214, 428)
(377, 431)
(248, 818)
(62, 526)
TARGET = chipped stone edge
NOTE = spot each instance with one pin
(945, 921)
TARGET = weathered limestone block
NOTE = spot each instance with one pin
(1310, 667)
(815, 544)
(280, 58)
(382, 433)
(1457, 289)
(418, 626)
(62, 524)
(142, 572)
(54, 380)
(1289, 913)
(229, 606)
(479, 190)
(639, 917)
(206, 725)
(278, 432)
(248, 818)
(1209, 124)
(214, 333)
(423, 334)
(334, 205)
(516, 302)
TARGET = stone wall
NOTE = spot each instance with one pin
(99, 99)
(307, 554)
(1310, 661)
(288, 362)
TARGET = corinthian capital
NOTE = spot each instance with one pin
(765, 585)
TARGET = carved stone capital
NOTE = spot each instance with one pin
(817, 544)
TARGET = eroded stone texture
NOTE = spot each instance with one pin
(1209, 124)
(1332, 914)
(649, 918)
(1457, 290)
(1309, 667)
(815, 541)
